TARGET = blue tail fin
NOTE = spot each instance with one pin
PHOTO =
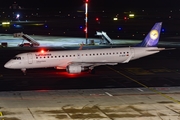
(151, 40)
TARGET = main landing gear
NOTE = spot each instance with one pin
(92, 71)
(24, 71)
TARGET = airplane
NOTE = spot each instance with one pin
(77, 61)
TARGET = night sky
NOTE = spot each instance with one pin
(147, 13)
(95, 4)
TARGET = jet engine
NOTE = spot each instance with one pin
(75, 69)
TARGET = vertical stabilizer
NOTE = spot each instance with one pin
(152, 39)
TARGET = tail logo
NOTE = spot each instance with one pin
(154, 34)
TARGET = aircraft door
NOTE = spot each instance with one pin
(30, 58)
(132, 52)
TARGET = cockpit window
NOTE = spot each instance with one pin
(17, 58)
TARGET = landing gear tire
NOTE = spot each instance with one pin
(24, 71)
(92, 71)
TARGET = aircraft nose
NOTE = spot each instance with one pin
(7, 65)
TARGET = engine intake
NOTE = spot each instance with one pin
(75, 69)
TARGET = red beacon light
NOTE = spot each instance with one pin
(97, 19)
(85, 29)
(42, 51)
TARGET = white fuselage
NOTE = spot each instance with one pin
(62, 59)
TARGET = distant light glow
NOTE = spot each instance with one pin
(125, 18)
(115, 18)
(85, 29)
(131, 15)
(17, 26)
(119, 28)
(163, 30)
(80, 27)
(38, 24)
(17, 16)
(97, 19)
(5, 23)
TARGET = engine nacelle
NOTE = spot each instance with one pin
(74, 69)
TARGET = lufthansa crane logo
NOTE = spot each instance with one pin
(154, 34)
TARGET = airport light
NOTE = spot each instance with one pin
(115, 18)
(162, 30)
(17, 16)
(86, 19)
(80, 27)
(131, 15)
(125, 18)
(5, 23)
(119, 28)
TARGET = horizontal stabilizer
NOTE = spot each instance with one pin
(157, 49)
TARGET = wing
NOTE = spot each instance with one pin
(91, 65)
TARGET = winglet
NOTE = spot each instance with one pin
(152, 39)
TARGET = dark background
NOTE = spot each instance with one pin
(67, 17)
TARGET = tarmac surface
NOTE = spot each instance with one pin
(144, 89)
